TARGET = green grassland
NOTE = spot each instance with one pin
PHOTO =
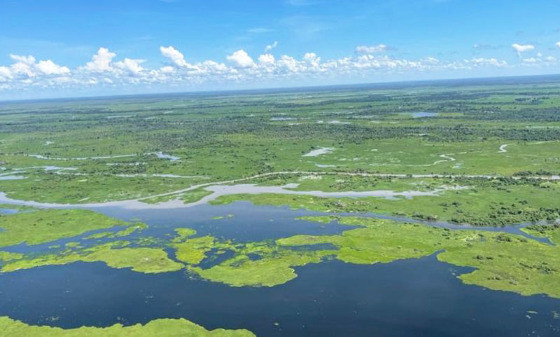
(114, 254)
(260, 265)
(109, 147)
(479, 202)
(44, 226)
(160, 327)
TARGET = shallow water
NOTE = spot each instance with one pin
(11, 177)
(422, 114)
(8, 211)
(223, 190)
(318, 152)
(39, 156)
(162, 155)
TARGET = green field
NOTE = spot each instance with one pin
(106, 149)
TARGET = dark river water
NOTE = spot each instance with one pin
(417, 297)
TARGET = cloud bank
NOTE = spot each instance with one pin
(107, 69)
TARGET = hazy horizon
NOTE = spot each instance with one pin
(464, 81)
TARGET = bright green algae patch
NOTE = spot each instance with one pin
(254, 264)
(507, 262)
(194, 250)
(379, 242)
(122, 233)
(273, 267)
(139, 259)
(144, 260)
(48, 225)
(7, 256)
(502, 261)
(160, 328)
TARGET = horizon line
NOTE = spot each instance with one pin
(279, 89)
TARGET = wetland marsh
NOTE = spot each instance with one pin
(430, 210)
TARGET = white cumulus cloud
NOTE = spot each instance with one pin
(174, 55)
(312, 59)
(48, 67)
(241, 59)
(23, 66)
(267, 59)
(23, 59)
(101, 61)
(5, 73)
(28, 67)
(131, 66)
(520, 48)
(365, 63)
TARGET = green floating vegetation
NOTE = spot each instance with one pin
(191, 250)
(272, 267)
(508, 262)
(8, 256)
(254, 263)
(160, 328)
(183, 234)
(380, 241)
(71, 245)
(502, 261)
(122, 233)
(220, 217)
(194, 250)
(48, 225)
(141, 259)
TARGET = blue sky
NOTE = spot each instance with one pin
(182, 45)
